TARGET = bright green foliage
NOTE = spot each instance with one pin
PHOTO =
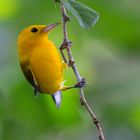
(86, 16)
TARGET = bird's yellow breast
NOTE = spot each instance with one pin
(47, 67)
(39, 59)
(43, 59)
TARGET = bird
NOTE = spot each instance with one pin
(40, 61)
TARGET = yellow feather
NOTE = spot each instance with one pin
(40, 54)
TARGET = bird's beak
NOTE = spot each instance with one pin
(50, 27)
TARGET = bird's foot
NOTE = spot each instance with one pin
(81, 84)
(71, 62)
(65, 45)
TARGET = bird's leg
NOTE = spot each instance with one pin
(64, 45)
(80, 84)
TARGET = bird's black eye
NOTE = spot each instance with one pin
(34, 30)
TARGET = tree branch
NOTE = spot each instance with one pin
(67, 45)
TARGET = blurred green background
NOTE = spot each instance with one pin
(107, 55)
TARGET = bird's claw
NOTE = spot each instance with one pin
(71, 62)
(65, 44)
(81, 84)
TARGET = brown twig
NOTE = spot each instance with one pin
(67, 45)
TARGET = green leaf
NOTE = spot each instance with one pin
(86, 16)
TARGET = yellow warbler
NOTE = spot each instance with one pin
(40, 61)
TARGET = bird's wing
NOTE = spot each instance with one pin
(27, 71)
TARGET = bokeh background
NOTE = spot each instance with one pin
(107, 55)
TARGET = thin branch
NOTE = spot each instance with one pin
(67, 45)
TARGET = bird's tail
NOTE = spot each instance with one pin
(57, 96)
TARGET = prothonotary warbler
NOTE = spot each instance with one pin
(40, 61)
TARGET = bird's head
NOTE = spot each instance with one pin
(35, 32)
